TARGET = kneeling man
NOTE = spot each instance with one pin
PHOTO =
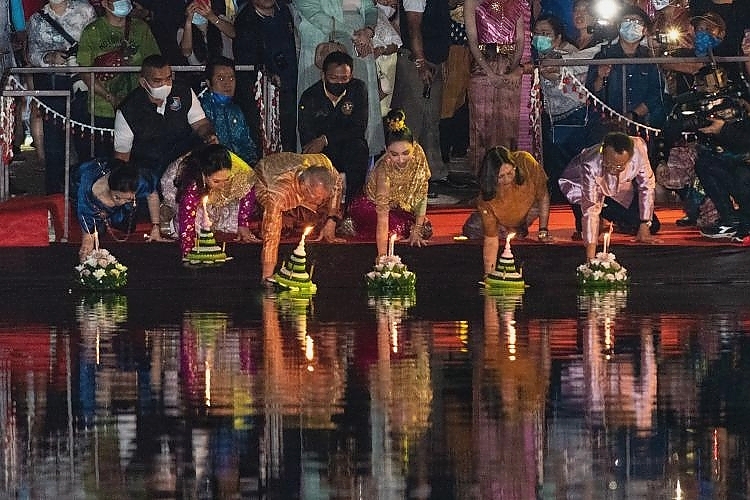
(613, 180)
(294, 191)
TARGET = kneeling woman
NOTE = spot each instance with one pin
(395, 198)
(106, 199)
(207, 171)
(513, 189)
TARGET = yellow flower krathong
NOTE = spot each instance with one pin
(396, 124)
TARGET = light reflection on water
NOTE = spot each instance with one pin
(595, 402)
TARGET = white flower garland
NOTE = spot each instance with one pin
(579, 87)
(49, 111)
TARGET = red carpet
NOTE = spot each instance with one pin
(23, 223)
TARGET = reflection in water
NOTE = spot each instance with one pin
(509, 390)
(276, 400)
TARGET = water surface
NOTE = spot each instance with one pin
(546, 394)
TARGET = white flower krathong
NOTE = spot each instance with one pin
(390, 276)
(101, 271)
(602, 272)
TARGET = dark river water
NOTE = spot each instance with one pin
(555, 395)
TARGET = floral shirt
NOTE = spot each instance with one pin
(230, 126)
(278, 191)
(44, 38)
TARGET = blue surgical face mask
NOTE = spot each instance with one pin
(705, 41)
(221, 98)
(542, 43)
(199, 20)
(630, 31)
(121, 8)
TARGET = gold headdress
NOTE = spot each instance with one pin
(397, 124)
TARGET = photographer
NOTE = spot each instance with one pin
(725, 175)
(53, 34)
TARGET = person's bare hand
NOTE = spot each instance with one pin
(87, 246)
(328, 235)
(244, 235)
(604, 70)
(317, 145)
(155, 235)
(415, 239)
(546, 238)
(714, 128)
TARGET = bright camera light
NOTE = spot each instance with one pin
(606, 10)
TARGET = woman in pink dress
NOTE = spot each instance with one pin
(495, 32)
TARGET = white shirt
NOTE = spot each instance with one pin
(124, 134)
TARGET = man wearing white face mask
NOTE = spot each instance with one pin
(114, 39)
(160, 120)
(642, 99)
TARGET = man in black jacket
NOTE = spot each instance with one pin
(333, 120)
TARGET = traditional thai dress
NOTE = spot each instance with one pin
(404, 196)
(494, 110)
(228, 208)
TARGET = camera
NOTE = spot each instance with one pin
(72, 51)
(695, 109)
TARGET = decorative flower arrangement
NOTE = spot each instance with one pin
(390, 276)
(101, 271)
(602, 272)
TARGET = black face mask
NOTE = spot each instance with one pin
(336, 88)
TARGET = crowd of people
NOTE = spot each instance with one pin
(370, 100)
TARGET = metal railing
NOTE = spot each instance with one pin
(10, 93)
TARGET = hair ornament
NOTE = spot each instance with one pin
(397, 124)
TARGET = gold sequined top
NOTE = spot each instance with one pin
(389, 185)
(242, 178)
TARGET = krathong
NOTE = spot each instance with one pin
(101, 271)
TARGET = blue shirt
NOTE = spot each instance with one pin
(91, 212)
(643, 85)
(230, 126)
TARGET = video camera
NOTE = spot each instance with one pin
(711, 98)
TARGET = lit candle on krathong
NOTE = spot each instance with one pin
(607, 236)
(96, 237)
(224, 247)
(391, 243)
(301, 246)
(507, 241)
(206, 221)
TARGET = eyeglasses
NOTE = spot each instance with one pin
(634, 20)
(544, 33)
(613, 168)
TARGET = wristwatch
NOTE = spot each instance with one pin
(647, 222)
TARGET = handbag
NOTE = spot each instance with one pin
(679, 170)
(324, 48)
(73, 49)
(117, 57)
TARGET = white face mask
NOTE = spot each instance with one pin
(387, 10)
(660, 4)
(56, 2)
(158, 93)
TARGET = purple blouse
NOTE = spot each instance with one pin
(496, 20)
(188, 209)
